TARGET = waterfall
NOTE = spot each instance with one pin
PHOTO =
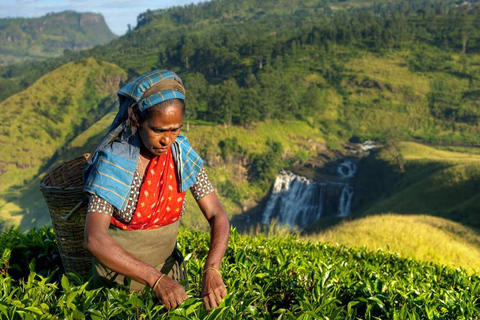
(345, 201)
(295, 200)
(299, 201)
(347, 169)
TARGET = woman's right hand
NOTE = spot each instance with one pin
(170, 293)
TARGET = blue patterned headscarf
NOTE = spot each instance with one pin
(110, 167)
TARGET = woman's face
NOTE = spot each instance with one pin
(159, 131)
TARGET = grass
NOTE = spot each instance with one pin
(384, 93)
(39, 121)
(419, 237)
(391, 70)
(435, 182)
(415, 151)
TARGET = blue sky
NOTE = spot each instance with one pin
(118, 13)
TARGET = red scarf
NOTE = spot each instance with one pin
(159, 202)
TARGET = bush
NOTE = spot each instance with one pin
(275, 276)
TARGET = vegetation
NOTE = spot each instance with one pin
(348, 68)
(49, 36)
(418, 237)
(40, 120)
(434, 182)
(274, 276)
(269, 84)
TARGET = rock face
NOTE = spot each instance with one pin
(49, 36)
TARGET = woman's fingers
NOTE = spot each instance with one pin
(214, 298)
(206, 300)
(170, 293)
(213, 290)
(211, 301)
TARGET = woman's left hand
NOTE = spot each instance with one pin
(213, 288)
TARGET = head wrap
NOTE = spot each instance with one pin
(110, 167)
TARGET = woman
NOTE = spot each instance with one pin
(136, 181)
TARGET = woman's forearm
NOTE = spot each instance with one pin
(219, 229)
(219, 234)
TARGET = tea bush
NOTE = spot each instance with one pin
(275, 276)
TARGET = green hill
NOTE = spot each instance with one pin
(348, 68)
(23, 39)
(418, 237)
(267, 277)
(39, 121)
(23, 205)
(435, 182)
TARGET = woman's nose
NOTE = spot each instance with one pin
(165, 139)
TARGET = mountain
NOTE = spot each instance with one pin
(38, 121)
(344, 66)
(23, 39)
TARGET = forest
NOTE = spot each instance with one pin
(243, 62)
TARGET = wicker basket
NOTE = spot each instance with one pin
(62, 189)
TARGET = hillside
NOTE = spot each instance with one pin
(419, 237)
(23, 205)
(347, 68)
(434, 181)
(23, 39)
(39, 121)
(267, 277)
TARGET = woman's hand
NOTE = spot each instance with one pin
(213, 288)
(170, 293)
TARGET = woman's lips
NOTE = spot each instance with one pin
(161, 150)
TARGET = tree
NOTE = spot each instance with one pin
(263, 168)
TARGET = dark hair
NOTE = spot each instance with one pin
(145, 114)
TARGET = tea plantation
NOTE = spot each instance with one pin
(275, 276)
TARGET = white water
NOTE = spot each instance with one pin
(298, 201)
(345, 201)
(347, 169)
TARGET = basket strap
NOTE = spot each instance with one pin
(75, 209)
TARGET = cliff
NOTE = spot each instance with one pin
(49, 36)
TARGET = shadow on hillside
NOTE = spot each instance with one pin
(443, 189)
(250, 221)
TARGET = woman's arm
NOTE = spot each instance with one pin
(112, 255)
(213, 288)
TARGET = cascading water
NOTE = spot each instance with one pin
(347, 169)
(345, 201)
(295, 200)
(298, 201)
